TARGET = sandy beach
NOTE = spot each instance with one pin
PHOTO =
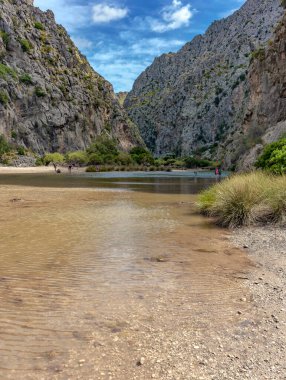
(35, 170)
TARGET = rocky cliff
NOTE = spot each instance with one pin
(50, 97)
(265, 116)
(196, 100)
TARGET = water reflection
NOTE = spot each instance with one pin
(165, 183)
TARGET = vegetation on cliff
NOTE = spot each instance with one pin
(273, 157)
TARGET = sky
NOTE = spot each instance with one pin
(121, 38)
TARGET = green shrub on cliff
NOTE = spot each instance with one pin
(5, 37)
(7, 71)
(273, 157)
(25, 44)
(39, 26)
(4, 98)
(26, 79)
(5, 147)
(39, 92)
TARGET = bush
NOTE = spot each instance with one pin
(124, 159)
(6, 70)
(95, 159)
(195, 162)
(5, 147)
(77, 158)
(25, 44)
(5, 37)
(274, 208)
(40, 93)
(39, 161)
(141, 156)
(103, 145)
(104, 151)
(4, 98)
(39, 25)
(258, 54)
(26, 79)
(273, 157)
(91, 169)
(21, 151)
(255, 198)
(53, 158)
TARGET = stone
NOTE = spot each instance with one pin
(141, 361)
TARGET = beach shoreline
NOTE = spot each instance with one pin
(266, 281)
(36, 170)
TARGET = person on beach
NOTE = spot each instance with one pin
(216, 171)
(70, 169)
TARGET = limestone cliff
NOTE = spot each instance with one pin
(50, 97)
(265, 116)
(195, 100)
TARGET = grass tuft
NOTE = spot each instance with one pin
(246, 199)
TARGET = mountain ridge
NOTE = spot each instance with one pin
(50, 97)
(192, 100)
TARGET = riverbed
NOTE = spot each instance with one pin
(113, 277)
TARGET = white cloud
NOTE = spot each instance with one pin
(122, 69)
(74, 16)
(121, 73)
(82, 43)
(154, 46)
(103, 13)
(71, 16)
(174, 16)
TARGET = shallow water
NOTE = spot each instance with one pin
(88, 267)
(155, 182)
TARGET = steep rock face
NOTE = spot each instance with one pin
(194, 99)
(50, 97)
(266, 111)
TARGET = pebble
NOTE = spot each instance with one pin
(141, 361)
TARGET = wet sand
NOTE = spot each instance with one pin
(103, 284)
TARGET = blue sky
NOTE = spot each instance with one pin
(122, 37)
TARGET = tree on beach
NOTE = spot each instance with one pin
(54, 158)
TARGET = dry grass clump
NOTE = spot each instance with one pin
(246, 199)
